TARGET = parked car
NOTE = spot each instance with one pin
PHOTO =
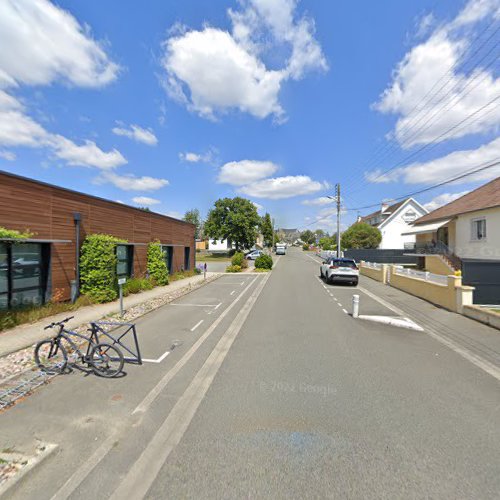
(280, 249)
(334, 269)
(253, 255)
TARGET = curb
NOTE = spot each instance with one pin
(32, 463)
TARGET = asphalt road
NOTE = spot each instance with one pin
(277, 393)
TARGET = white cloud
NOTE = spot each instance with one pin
(446, 167)
(145, 201)
(174, 214)
(421, 119)
(282, 187)
(7, 155)
(243, 172)
(212, 71)
(137, 133)
(46, 43)
(443, 199)
(197, 158)
(129, 182)
(322, 200)
(258, 206)
(86, 155)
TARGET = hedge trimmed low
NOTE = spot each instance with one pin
(264, 262)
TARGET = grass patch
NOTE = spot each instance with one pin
(180, 275)
(10, 319)
(212, 257)
(260, 270)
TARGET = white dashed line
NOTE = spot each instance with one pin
(345, 311)
(197, 325)
(234, 291)
(339, 304)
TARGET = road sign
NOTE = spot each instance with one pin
(122, 281)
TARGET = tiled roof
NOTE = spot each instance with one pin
(486, 196)
(391, 209)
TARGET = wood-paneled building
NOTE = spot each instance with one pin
(44, 267)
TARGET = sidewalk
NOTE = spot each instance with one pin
(477, 338)
(24, 336)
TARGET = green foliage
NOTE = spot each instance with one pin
(10, 319)
(266, 228)
(15, 235)
(157, 265)
(305, 247)
(264, 262)
(308, 236)
(328, 243)
(98, 267)
(233, 219)
(238, 259)
(193, 216)
(233, 269)
(136, 285)
(361, 235)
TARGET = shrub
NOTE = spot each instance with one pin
(15, 235)
(237, 259)
(98, 267)
(136, 285)
(157, 266)
(305, 246)
(264, 262)
(233, 269)
(244, 264)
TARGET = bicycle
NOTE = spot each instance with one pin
(51, 356)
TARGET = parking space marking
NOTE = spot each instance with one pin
(232, 292)
(197, 325)
(215, 308)
(197, 305)
(159, 360)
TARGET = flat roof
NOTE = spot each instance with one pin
(53, 186)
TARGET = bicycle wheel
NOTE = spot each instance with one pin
(106, 360)
(50, 356)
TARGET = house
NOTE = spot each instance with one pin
(288, 235)
(465, 235)
(219, 245)
(393, 221)
(46, 266)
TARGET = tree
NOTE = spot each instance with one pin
(193, 216)
(308, 236)
(266, 228)
(233, 219)
(327, 243)
(319, 233)
(361, 235)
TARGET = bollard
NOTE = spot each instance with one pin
(355, 306)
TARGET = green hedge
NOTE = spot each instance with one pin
(98, 267)
(237, 259)
(233, 269)
(157, 266)
(264, 262)
(14, 235)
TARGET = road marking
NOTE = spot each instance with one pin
(345, 311)
(144, 471)
(335, 299)
(232, 292)
(89, 465)
(195, 305)
(153, 394)
(481, 363)
(339, 304)
(197, 325)
(389, 320)
(158, 360)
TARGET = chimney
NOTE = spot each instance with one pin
(384, 207)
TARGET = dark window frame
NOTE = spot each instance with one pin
(168, 257)
(129, 260)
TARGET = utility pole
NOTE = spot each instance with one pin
(273, 237)
(338, 220)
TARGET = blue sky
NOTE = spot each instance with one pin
(173, 104)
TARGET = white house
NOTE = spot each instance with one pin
(219, 245)
(395, 220)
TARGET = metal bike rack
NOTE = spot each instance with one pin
(98, 329)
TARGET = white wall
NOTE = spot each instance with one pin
(392, 230)
(489, 248)
(218, 246)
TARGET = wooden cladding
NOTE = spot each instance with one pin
(47, 211)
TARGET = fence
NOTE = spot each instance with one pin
(439, 279)
(381, 256)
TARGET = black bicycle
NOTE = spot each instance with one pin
(51, 356)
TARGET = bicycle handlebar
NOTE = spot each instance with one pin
(58, 323)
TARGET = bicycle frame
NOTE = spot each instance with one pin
(65, 334)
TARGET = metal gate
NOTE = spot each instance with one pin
(484, 275)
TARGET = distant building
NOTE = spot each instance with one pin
(219, 245)
(289, 235)
(394, 221)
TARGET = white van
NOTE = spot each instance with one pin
(280, 250)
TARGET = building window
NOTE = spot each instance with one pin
(168, 252)
(410, 216)
(23, 274)
(124, 260)
(478, 229)
(187, 259)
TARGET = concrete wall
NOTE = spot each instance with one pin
(376, 274)
(488, 248)
(483, 315)
(454, 296)
(436, 264)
